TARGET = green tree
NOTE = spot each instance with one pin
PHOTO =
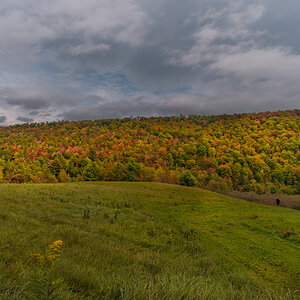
(63, 176)
(132, 171)
(187, 178)
(92, 172)
(56, 166)
(201, 150)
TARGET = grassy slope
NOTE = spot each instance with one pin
(149, 241)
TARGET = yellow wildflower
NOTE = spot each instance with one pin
(39, 258)
(54, 250)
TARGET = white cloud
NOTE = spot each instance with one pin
(88, 47)
(239, 17)
(19, 30)
(260, 64)
(225, 31)
(33, 22)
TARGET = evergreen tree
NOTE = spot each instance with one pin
(92, 172)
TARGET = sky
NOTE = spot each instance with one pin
(93, 59)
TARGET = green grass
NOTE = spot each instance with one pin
(147, 241)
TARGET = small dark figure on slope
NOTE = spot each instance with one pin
(277, 202)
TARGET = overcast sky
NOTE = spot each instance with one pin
(91, 59)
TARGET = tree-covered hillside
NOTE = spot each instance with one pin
(246, 152)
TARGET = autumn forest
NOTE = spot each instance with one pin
(243, 152)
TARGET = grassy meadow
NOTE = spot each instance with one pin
(144, 241)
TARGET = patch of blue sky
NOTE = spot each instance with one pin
(46, 67)
(179, 90)
(114, 80)
(182, 89)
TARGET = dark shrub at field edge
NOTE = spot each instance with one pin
(187, 179)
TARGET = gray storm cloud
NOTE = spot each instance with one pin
(25, 119)
(3, 119)
(96, 59)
